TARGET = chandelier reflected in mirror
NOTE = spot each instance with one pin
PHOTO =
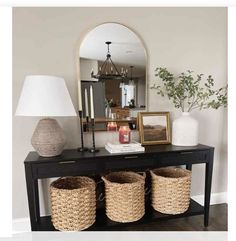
(108, 69)
(131, 79)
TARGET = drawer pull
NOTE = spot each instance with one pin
(131, 157)
(66, 162)
(186, 152)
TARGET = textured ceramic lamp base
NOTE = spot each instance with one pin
(185, 130)
(48, 138)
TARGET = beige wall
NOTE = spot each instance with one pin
(86, 65)
(45, 41)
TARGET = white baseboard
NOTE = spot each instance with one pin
(21, 225)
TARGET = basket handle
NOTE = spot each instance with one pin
(152, 173)
(142, 174)
(104, 179)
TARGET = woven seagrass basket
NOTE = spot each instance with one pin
(124, 192)
(171, 190)
(73, 202)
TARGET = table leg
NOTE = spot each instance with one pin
(189, 167)
(33, 197)
(208, 181)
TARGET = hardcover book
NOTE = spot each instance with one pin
(124, 149)
(117, 145)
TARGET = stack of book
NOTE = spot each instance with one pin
(116, 147)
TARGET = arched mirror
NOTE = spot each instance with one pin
(113, 61)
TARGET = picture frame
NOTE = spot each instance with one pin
(154, 128)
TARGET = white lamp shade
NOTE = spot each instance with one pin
(44, 95)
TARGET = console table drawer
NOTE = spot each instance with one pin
(193, 157)
(129, 162)
(63, 168)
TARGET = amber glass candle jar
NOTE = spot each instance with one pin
(124, 134)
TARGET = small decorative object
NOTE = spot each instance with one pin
(187, 94)
(108, 112)
(81, 148)
(86, 109)
(108, 105)
(113, 116)
(132, 104)
(171, 190)
(73, 201)
(116, 147)
(154, 128)
(124, 196)
(124, 134)
(112, 126)
(46, 96)
(93, 149)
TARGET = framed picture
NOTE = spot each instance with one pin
(154, 128)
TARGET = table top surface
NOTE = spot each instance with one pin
(74, 154)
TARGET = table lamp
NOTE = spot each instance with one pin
(46, 96)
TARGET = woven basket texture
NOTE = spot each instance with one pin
(73, 202)
(171, 190)
(124, 196)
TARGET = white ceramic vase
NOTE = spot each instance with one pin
(185, 130)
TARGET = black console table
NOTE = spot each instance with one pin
(72, 163)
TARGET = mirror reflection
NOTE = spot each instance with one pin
(113, 61)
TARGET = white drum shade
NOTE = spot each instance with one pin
(44, 95)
